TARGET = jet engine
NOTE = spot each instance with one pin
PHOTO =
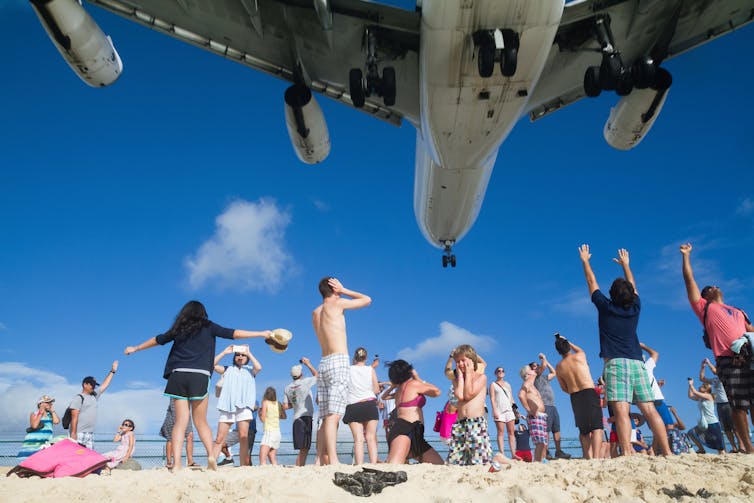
(632, 118)
(306, 125)
(81, 42)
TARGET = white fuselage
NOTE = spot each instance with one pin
(464, 117)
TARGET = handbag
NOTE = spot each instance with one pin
(438, 421)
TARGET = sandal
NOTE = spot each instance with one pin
(193, 465)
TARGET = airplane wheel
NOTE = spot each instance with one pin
(644, 72)
(625, 85)
(452, 261)
(444, 261)
(388, 86)
(592, 86)
(356, 87)
(486, 60)
(663, 80)
(509, 60)
(610, 72)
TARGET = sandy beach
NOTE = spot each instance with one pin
(688, 477)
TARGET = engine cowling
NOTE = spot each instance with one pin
(632, 118)
(306, 125)
(87, 50)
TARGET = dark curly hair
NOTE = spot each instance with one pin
(191, 318)
(399, 371)
(622, 293)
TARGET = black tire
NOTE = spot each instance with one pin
(486, 60)
(643, 72)
(452, 261)
(592, 86)
(356, 87)
(625, 85)
(663, 80)
(611, 70)
(509, 60)
(388, 86)
(444, 261)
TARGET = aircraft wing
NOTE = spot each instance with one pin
(660, 28)
(290, 39)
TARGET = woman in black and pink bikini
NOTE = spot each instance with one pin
(406, 437)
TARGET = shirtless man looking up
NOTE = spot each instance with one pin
(332, 379)
(535, 409)
(575, 379)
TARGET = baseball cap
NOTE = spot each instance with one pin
(90, 380)
(296, 371)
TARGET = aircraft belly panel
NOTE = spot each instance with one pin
(465, 117)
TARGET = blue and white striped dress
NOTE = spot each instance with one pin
(36, 439)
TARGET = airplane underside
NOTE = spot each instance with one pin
(469, 105)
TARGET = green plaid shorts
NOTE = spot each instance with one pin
(627, 380)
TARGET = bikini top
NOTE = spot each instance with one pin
(419, 401)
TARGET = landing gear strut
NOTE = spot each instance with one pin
(448, 257)
(362, 87)
(612, 74)
(499, 45)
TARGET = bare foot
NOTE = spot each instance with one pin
(211, 464)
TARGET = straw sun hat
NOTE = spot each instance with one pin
(279, 340)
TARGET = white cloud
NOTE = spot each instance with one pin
(746, 208)
(450, 337)
(248, 249)
(21, 386)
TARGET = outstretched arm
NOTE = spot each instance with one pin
(106, 381)
(702, 377)
(309, 365)
(591, 279)
(622, 260)
(357, 300)
(149, 343)
(678, 420)
(247, 334)
(692, 289)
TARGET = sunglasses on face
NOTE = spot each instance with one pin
(499, 371)
(128, 425)
(239, 354)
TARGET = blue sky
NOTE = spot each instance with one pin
(120, 204)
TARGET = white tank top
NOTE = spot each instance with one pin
(502, 400)
(360, 386)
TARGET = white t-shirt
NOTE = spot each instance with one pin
(650, 365)
(360, 384)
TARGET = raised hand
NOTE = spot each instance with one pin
(686, 249)
(584, 253)
(622, 257)
(336, 286)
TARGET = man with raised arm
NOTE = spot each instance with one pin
(542, 382)
(626, 379)
(332, 380)
(723, 325)
(575, 379)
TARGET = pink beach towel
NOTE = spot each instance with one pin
(63, 459)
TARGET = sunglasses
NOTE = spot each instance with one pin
(498, 371)
(240, 354)
(128, 425)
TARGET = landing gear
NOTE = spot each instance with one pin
(612, 74)
(496, 45)
(448, 257)
(362, 87)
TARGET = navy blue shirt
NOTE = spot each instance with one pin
(196, 352)
(618, 324)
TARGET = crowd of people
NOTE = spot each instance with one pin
(348, 391)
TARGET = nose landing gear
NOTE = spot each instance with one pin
(448, 257)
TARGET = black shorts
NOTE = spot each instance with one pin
(361, 412)
(187, 385)
(586, 410)
(725, 415)
(738, 383)
(302, 432)
(415, 432)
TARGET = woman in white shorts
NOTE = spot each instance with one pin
(237, 398)
(501, 398)
(270, 414)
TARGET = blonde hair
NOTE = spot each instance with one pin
(468, 352)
